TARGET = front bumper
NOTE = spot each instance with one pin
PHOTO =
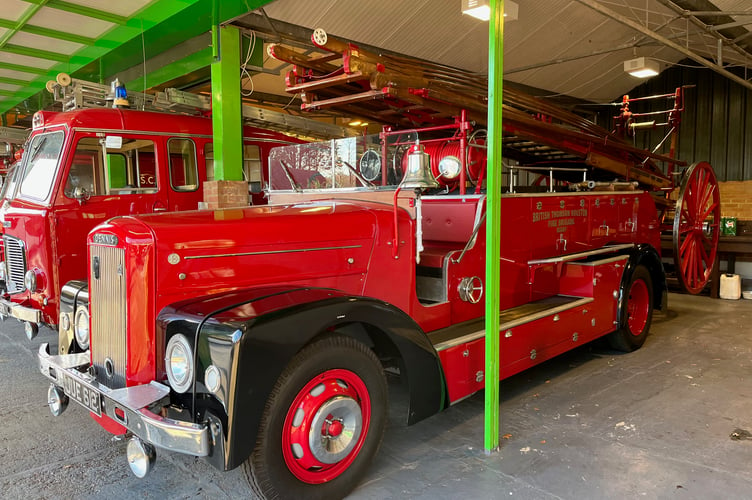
(132, 405)
(23, 313)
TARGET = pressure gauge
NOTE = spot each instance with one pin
(370, 165)
(449, 167)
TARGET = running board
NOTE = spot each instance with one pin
(510, 318)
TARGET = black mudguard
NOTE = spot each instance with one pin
(647, 256)
(252, 335)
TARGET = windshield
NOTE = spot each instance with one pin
(38, 171)
(9, 186)
(349, 163)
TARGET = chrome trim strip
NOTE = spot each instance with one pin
(580, 255)
(23, 313)
(167, 433)
(601, 262)
(511, 324)
(243, 254)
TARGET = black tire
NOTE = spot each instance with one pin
(636, 308)
(344, 378)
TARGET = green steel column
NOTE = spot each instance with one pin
(493, 222)
(227, 105)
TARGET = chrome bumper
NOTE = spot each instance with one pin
(23, 313)
(133, 403)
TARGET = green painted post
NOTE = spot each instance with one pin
(227, 113)
(493, 223)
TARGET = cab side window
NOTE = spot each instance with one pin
(97, 170)
(183, 165)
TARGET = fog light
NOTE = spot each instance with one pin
(31, 330)
(57, 400)
(141, 457)
(212, 379)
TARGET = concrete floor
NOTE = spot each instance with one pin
(593, 423)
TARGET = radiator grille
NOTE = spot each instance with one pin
(15, 257)
(107, 301)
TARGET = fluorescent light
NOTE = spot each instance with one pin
(642, 67)
(480, 9)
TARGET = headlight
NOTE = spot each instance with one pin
(179, 363)
(30, 280)
(81, 327)
(449, 167)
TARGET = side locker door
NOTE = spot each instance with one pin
(183, 185)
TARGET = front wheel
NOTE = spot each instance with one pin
(636, 312)
(323, 423)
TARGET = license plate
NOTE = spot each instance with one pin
(89, 398)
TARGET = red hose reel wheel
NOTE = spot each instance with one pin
(697, 225)
(476, 155)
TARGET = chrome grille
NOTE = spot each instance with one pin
(107, 302)
(15, 258)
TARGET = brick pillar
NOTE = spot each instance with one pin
(226, 194)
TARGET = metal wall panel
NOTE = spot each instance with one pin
(716, 124)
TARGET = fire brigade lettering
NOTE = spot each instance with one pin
(558, 218)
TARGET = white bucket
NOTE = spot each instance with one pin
(731, 286)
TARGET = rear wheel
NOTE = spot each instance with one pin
(322, 424)
(636, 312)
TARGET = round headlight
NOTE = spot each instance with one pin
(81, 327)
(179, 363)
(30, 280)
(449, 167)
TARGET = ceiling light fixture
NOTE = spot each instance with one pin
(642, 67)
(480, 9)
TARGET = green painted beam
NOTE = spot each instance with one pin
(28, 14)
(188, 64)
(24, 69)
(227, 106)
(82, 10)
(49, 33)
(41, 54)
(6, 93)
(493, 223)
(14, 81)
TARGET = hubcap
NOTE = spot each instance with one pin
(326, 426)
(638, 307)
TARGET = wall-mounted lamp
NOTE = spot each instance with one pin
(642, 67)
(480, 9)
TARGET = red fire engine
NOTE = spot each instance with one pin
(258, 337)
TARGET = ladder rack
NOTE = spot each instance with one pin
(80, 94)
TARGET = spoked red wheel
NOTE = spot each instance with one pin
(697, 221)
(638, 307)
(325, 426)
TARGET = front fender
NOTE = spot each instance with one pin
(252, 341)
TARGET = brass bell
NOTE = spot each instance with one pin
(418, 174)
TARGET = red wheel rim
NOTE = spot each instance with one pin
(638, 307)
(326, 426)
(696, 227)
